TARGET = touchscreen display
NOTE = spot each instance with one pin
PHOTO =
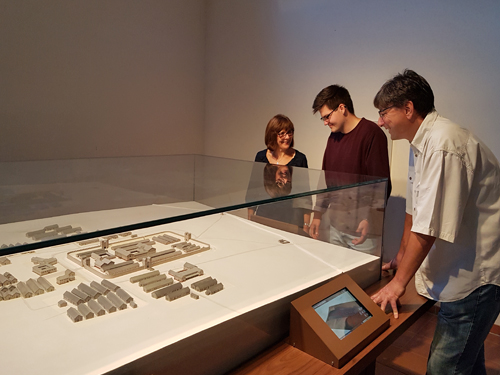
(342, 312)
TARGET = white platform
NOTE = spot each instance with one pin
(255, 268)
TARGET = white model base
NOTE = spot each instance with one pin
(255, 268)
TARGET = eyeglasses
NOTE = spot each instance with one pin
(327, 117)
(283, 134)
(381, 112)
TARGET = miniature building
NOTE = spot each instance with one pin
(44, 269)
(194, 296)
(4, 280)
(121, 268)
(116, 301)
(163, 256)
(13, 292)
(106, 304)
(62, 303)
(164, 291)
(4, 261)
(34, 287)
(108, 284)
(45, 284)
(104, 243)
(214, 289)
(71, 298)
(38, 260)
(204, 284)
(25, 291)
(152, 280)
(96, 308)
(89, 291)
(66, 278)
(134, 250)
(138, 252)
(10, 278)
(165, 239)
(157, 285)
(138, 278)
(177, 294)
(5, 295)
(133, 304)
(186, 247)
(85, 311)
(124, 295)
(74, 315)
(101, 289)
(101, 261)
(83, 296)
(188, 272)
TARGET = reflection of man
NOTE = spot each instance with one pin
(355, 146)
(451, 238)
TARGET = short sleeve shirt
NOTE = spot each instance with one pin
(455, 197)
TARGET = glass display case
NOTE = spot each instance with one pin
(154, 264)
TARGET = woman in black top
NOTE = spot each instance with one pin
(279, 142)
(281, 156)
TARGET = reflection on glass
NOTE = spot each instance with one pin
(353, 217)
(289, 215)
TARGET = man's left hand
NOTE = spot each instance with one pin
(389, 295)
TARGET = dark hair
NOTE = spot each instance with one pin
(404, 87)
(272, 186)
(274, 126)
(333, 96)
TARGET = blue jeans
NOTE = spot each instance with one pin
(462, 327)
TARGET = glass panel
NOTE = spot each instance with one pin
(231, 232)
(38, 195)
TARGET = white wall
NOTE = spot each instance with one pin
(92, 78)
(272, 56)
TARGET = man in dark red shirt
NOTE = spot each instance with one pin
(355, 146)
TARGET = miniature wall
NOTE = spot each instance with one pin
(94, 78)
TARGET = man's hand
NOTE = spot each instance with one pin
(363, 229)
(314, 229)
(389, 295)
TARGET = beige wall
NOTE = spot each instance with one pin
(92, 78)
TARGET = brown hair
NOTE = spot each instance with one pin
(404, 87)
(333, 96)
(272, 186)
(277, 124)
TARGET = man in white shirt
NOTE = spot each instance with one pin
(451, 239)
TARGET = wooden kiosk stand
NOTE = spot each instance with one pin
(335, 321)
(283, 358)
